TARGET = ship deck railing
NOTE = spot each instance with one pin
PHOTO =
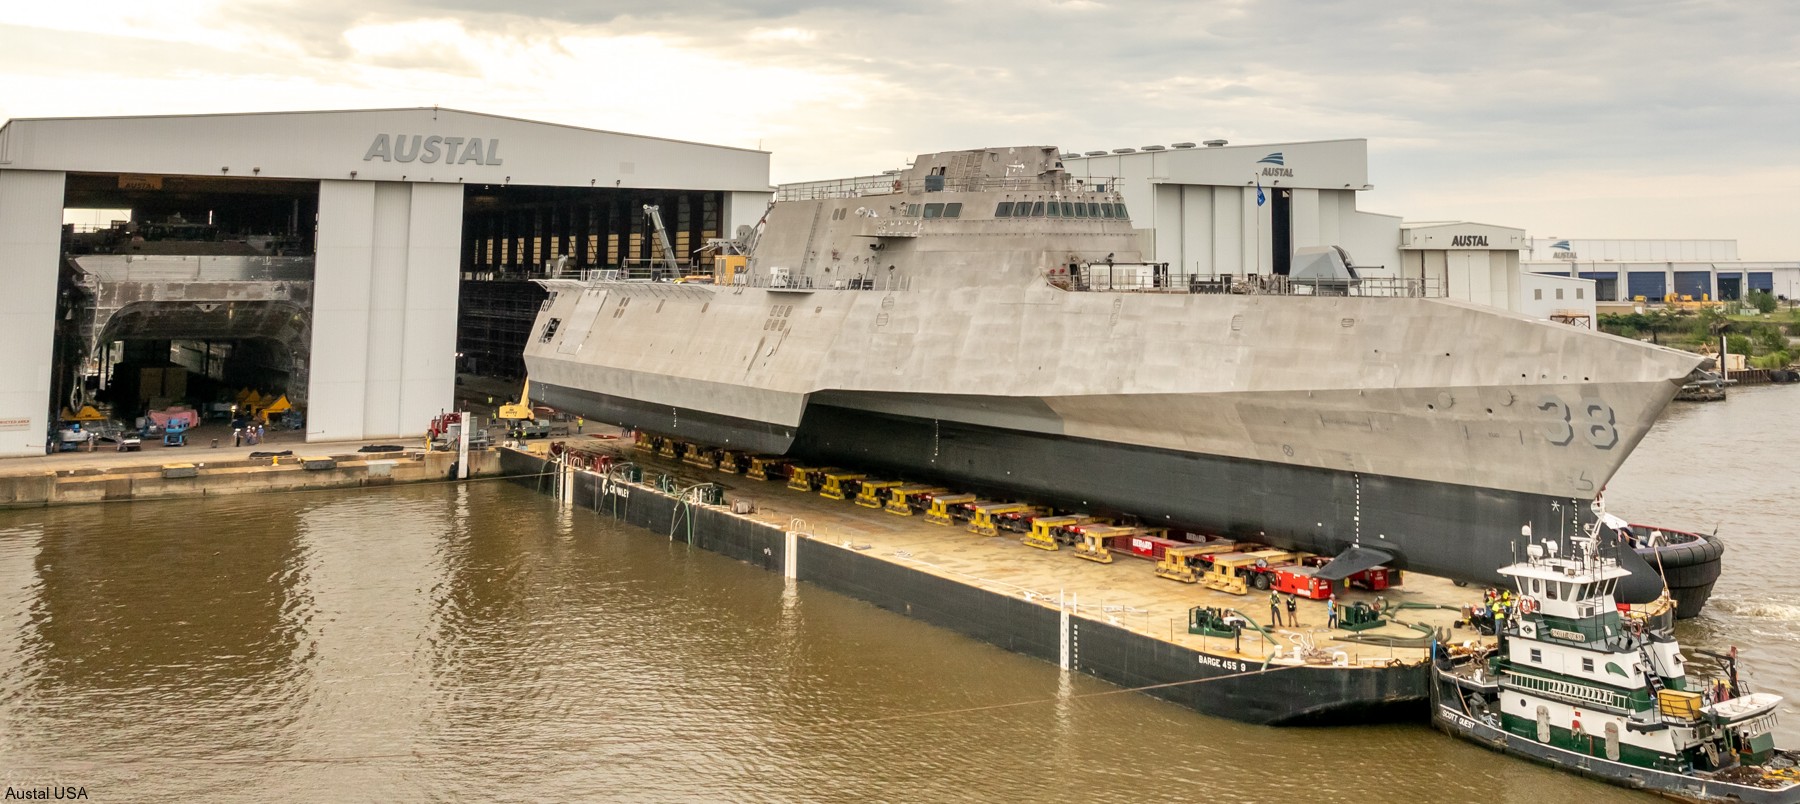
(1145, 278)
(103, 268)
(800, 282)
(892, 185)
(1572, 692)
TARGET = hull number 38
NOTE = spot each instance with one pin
(1592, 420)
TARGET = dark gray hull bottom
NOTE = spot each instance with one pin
(1449, 720)
(1216, 685)
(1446, 529)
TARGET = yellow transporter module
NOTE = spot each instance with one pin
(1230, 572)
(982, 521)
(800, 477)
(761, 468)
(1096, 538)
(838, 484)
(872, 492)
(943, 507)
(697, 455)
(669, 448)
(904, 500)
(1185, 563)
(731, 462)
(646, 442)
(1045, 529)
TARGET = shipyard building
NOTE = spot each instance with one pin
(348, 261)
(1653, 270)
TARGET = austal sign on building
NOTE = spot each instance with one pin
(388, 235)
(1469, 241)
(429, 149)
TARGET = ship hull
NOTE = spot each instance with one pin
(1441, 529)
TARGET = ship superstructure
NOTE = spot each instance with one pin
(986, 318)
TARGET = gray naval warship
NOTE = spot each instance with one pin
(988, 320)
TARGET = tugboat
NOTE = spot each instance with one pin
(1579, 682)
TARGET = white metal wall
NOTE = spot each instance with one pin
(384, 308)
(31, 203)
(743, 209)
(330, 145)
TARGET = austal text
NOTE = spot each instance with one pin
(431, 149)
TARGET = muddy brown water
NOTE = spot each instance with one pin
(451, 643)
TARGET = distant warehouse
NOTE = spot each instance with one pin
(1624, 270)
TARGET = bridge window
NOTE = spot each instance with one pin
(1068, 209)
(1093, 210)
(1080, 210)
(912, 210)
(934, 210)
(550, 330)
(1004, 210)
(1053, 209)
(1037, 210)
(1120, 209)
(1106, 210)
(953, 210)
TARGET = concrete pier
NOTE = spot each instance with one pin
(117, 476)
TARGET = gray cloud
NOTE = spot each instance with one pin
(1474, 91)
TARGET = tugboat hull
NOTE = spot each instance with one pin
(1681, 787)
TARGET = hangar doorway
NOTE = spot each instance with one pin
(514, 234)
(193, 294)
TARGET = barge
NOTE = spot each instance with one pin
(1116, 621)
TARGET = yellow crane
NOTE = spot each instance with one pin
(520, 410)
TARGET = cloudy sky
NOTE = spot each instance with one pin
(1655, 118)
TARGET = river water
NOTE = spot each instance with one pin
(453, 643)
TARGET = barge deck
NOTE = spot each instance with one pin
(1118, 622)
